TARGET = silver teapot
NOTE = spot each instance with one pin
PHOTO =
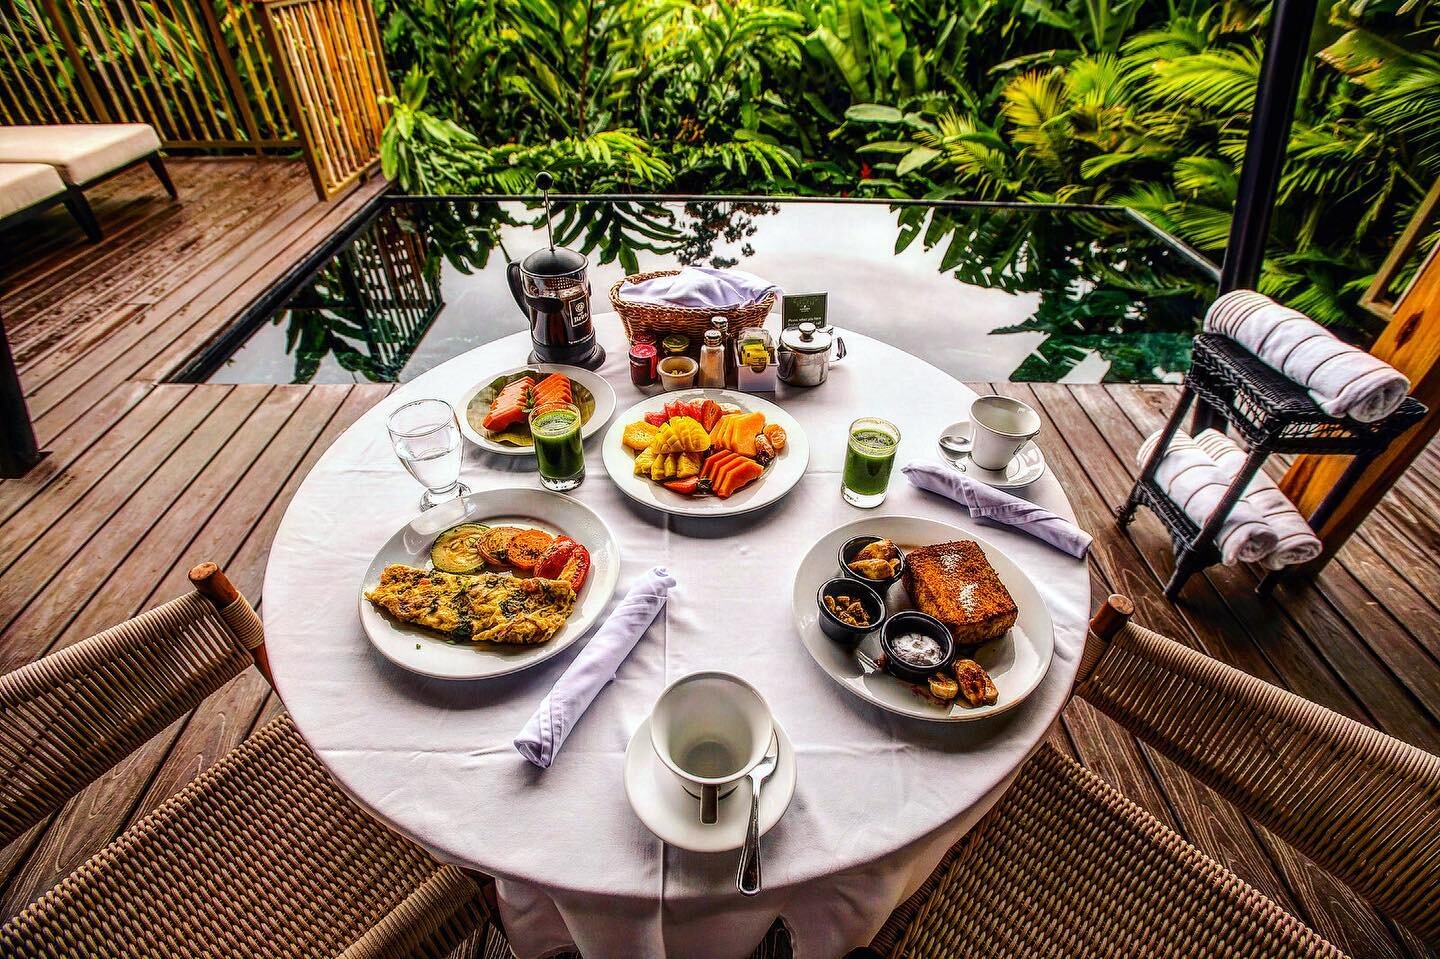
(806, 354)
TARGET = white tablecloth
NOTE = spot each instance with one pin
(879, 797)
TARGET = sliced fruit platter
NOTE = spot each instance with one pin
(706, 452)
(495, 414)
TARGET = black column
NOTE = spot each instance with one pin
(18, 451)
(1286, 50)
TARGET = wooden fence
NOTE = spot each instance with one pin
(207, 74)
(334, 73)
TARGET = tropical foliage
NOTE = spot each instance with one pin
(1137, 102)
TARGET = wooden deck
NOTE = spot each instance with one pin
(143, 480)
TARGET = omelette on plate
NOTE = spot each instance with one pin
(483, 607)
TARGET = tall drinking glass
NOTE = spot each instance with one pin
(559, 449)
(868, 461)
(426, 438)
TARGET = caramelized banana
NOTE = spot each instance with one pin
(976, 687)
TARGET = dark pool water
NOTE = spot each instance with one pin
(985, 292)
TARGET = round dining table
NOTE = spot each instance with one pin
(879, 797)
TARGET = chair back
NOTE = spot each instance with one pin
(68, 717)
(1363, 805)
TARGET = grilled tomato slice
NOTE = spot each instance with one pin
(565, 560)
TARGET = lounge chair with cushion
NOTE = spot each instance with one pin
(83, 154)
(30, 188)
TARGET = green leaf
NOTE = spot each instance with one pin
(874, 113)
(915, 159)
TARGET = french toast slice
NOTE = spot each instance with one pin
(956, 584)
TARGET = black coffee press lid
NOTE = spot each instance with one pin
(555, 261)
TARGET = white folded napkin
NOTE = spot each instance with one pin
(1296, 541)
(1195, 484)
(700, 286)
(578, 686)
(986, 502)
(1342, 380)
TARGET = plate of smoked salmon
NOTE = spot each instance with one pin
(495, 414)
(705, 452)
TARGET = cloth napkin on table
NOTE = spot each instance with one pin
(1297, 542)
(1342, 380)
(578, 686)
(702, 287)
(987, 502)
(1194, 483)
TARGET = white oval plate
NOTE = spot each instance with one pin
(779, 477)
(660, 800)
(1016, 661)
(599, 388)
(422, 651)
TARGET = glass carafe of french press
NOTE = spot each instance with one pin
(553, 291)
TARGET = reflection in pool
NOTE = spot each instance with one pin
(985, 292)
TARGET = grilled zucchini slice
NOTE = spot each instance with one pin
(457, 550)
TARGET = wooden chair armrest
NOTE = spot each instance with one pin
(211, 582)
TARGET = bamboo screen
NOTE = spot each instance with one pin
(335, 76)
(196, 70)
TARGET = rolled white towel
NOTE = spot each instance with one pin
(1195, 484)
(1342, 380)
(1296, 541)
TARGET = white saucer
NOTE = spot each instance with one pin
(660, 800)
(1027, 466)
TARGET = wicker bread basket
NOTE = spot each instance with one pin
(692, 321)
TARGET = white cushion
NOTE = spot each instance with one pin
(81, 151)
(22, 185)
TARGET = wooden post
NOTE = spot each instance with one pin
(18, 449)
(82, 69)
(1410, 343)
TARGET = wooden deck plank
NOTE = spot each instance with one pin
(119, 312)
(117, 271)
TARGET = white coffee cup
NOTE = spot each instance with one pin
(710, 729)
(999, 428)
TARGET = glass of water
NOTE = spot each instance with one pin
(426, 437)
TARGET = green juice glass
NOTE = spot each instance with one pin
(559, 451)
(869, 458)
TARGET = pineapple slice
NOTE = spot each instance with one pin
(689, 465)
(682, 435)
(639, 435)
(644, 462)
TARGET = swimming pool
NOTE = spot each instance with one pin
(1029, 292)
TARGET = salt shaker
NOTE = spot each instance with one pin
(712, 361)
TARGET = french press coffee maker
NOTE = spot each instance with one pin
(553, 291)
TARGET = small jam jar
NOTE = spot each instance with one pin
(676, 344)
(643, 336)
(643, 357)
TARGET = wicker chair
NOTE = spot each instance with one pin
(262, 855)
(1066, 866)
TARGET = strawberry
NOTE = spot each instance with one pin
(710, 414)
(685, 487)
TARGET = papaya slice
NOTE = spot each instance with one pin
(737, 432)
